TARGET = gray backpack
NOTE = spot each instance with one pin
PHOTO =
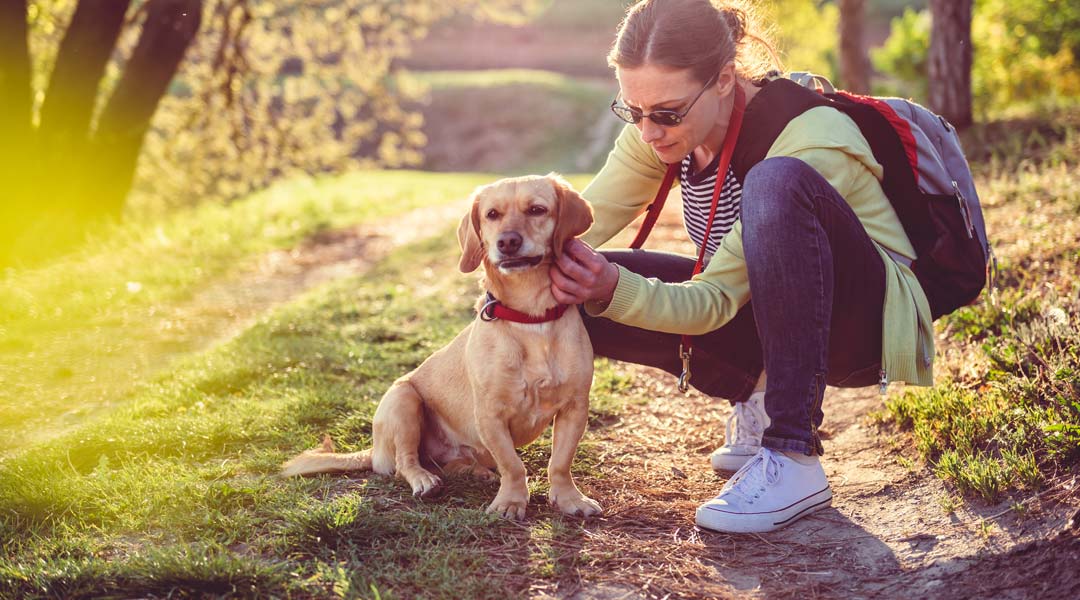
(927, 179)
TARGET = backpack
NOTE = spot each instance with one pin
(926, 178)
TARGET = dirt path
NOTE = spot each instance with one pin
(220, 310)
(886, 535)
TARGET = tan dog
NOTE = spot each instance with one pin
(498, 384)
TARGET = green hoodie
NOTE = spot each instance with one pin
(831, 144)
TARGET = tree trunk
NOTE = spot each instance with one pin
(80, 63)
(854, 59)
(15, 94)
(15, 123)
(950, 60)
(170, 27)
(69, 104)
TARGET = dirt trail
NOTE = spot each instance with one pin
(220, 310)
(887, 534)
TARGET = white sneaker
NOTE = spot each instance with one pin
(749, 421)
(771, 491)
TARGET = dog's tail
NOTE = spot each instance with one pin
(324, 460)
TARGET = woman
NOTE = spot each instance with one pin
(806, 277)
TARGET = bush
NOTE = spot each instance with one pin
(904, 55)
(805, 35)
(1024, 52)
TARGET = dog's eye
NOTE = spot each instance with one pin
(537, 210)
(492, 214)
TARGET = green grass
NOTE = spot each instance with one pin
(1005, 415)
(174, 494)
(78, 333)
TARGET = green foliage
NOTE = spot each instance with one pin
(985, 441)
(904, 54)
(266, 90)
(805, 32)
(307, 89)
(1024, 52)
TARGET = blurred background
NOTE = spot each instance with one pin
(121, 109)
(226, 226)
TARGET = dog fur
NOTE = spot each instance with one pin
(498, 384)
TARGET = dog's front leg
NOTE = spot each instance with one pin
(513, 494)
(566, 433)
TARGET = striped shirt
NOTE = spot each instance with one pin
(697, 191)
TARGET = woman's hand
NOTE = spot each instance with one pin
(582, 274)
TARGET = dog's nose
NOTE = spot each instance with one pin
(509, 243)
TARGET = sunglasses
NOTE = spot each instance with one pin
(663, 118)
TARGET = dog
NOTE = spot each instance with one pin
(499, 383)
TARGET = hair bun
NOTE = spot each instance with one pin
(736, 21)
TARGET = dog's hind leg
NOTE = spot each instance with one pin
(396, 430)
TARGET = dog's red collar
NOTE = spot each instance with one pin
(493, 309)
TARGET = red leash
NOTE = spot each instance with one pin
(732, 135)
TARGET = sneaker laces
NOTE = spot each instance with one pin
(748, 429)
(754, 477)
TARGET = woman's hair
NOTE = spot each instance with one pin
(699, 35)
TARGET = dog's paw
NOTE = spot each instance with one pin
(509, 508)
(425, 484)
(485, 474)
(575, 503)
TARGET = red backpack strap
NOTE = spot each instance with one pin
(656, 206)
(898, 124)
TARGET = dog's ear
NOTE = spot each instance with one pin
(468, 235)
(574, 214)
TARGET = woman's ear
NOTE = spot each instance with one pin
(574, 215)
(468, 235)
(726, 79)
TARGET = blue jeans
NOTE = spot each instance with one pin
(817, 288)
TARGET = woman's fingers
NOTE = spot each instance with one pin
(565, 289)
(582, 274)
(589, 259)
(564, 298)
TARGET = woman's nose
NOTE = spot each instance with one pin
(650, 131)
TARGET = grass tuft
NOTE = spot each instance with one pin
(1007, 417)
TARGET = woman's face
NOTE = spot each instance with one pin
(650, 87)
